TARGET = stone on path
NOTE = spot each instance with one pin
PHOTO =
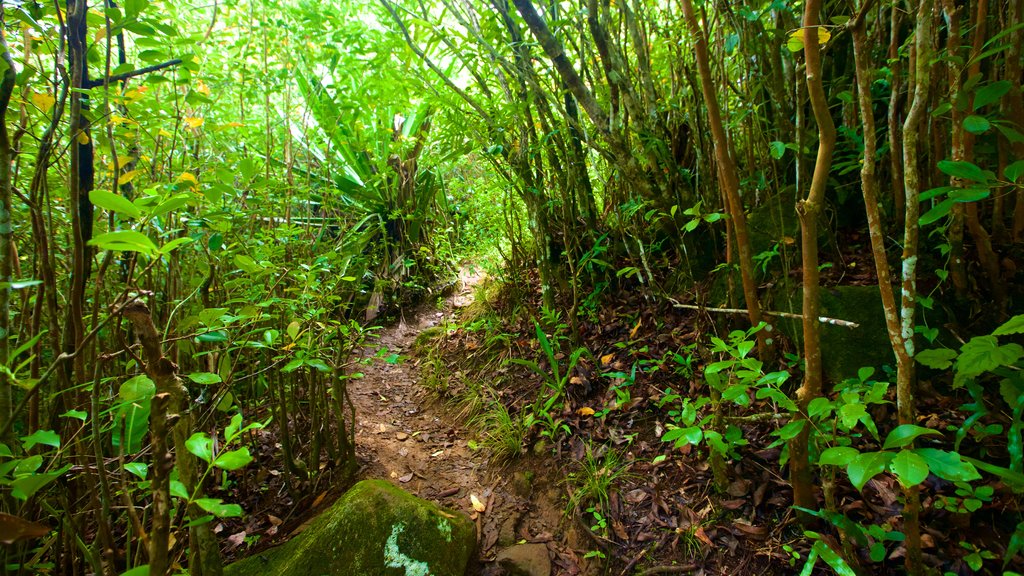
(525, 560)
(374, 529)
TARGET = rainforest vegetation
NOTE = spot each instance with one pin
(754, 272)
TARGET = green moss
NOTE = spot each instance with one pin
(843, 350)
(375, 529)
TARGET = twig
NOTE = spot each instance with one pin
(669, 569)
(823, 319)
(131, 74)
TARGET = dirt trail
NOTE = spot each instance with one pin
(403, 435)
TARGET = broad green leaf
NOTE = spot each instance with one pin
(218, 508)
(44, 437)
(137, 571)
(984, 353)
(175, 244)
(76, 414)
(201, 445)
(833, 559)
(178, 490)
(139, 469)
(948, 465)
(976, 124)
(247, 264)
(233, 460)
(205, 378)
(114, 203)
(838, 456)
(1014, 325)
(990, 93)
(937, 212)
(683, 436)
(137, 388)
(791, 430)
(125, 241)
(1014, 171)
(866, 466)
(909, 468)
(965, 170)
(905, 434)
(937, 358)
(777, 149)
(820, 406)
(25, 487)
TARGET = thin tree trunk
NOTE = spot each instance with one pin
(808, 210)
(6, 233)
(729, 176)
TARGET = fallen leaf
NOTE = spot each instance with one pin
(477, 504)
(632, 333)
(236, 539)
(273, 520)
(405, 478)
(585, 411)
(319, 499)
(703, 537)
(607, 359)
(402, 436)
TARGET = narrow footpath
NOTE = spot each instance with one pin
(405, 435)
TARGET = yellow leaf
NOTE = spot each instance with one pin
(100, 35)
(607, 359)
(234, 125)
(477, 504)
(43, 101)
(632, 333)
(137, 94)
(194, 122)
(188, 177)
(164, 133)
(83, 138)
(128, 177)
(585, 411)
(202, 88)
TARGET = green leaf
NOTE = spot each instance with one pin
(247, 264)
(833, 559)
(114, 203)
(139, 469)
(990, 94)
(838, 456)
(201, 445)
(937, 212)
(905, 434)
(205, 378)
(178, 490)
(76, 414)
(983, 354)
(948, 465)
(977, 124)
(777, 149)
(1014, 171)
(137, 571)
(44, 437)
(790, 431)
(137, 388)
(1014, 325)
(910, 469)
(125, 241)
(218, 508)
(25, 487)
(683, 436)
(937, 358)
(965, 170)
(866, 466)
(233, 460)
(175, 244)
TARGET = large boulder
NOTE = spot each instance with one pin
(843, 350)
(375, 529)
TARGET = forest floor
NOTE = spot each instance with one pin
(405, 435)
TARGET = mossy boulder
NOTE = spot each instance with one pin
(375, 529)
(844, 350)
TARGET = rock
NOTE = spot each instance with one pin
(525, 560)
(843, 350)
(375, 529)
(402, 436)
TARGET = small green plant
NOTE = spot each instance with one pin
(597, 474)
(502, 432)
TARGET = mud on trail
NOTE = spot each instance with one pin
(407, 437)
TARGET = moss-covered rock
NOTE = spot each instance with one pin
(844, 350)
(375, 529)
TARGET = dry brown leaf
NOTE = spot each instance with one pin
(16, 529)
(477, 504)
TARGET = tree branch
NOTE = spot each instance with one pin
(130, 74)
